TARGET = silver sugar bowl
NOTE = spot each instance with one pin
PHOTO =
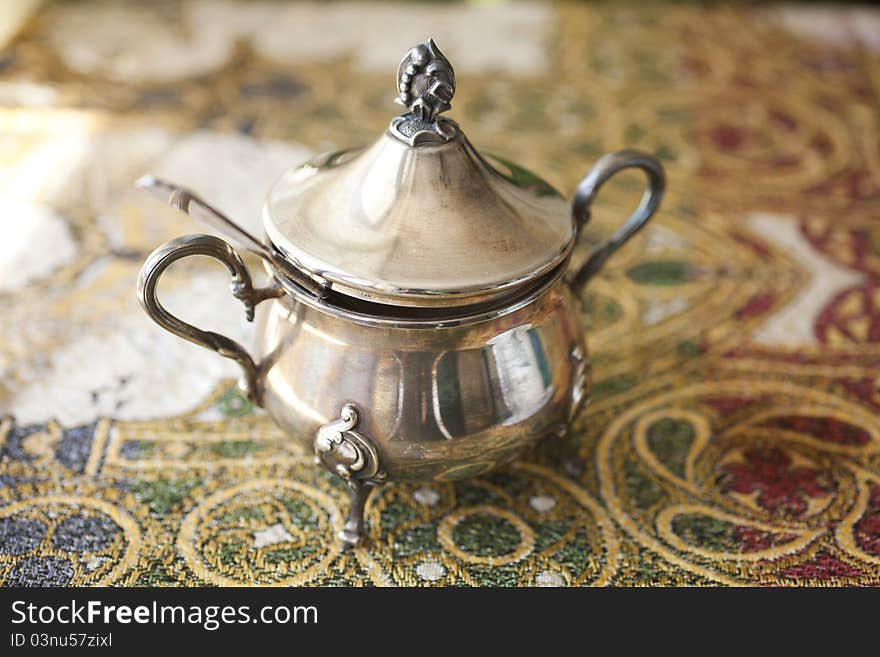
(420, 322)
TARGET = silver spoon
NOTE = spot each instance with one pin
(184, 200)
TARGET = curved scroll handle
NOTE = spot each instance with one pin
(242, 288)
(606, 167)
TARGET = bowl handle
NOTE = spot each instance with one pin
(606, 167)
(242, 289)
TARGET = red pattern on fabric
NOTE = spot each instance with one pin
(867, 530)
(752, 539)
(824, 428)
(728, 137)
(782, 489)
(854, 247)
(823, 566)
(727, 405)
(757, 305)
(756, 246)
(832, 315)
(867, 390)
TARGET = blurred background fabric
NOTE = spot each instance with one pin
(733, 432)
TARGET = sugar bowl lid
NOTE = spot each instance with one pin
(419, 218)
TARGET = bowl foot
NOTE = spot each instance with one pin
(353, 456)
(354, 531)
(570, 457)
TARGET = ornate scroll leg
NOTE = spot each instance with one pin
(354, 457)
(354, 532)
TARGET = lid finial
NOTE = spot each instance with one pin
(425, 84)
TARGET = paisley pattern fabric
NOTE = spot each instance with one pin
(733, 430)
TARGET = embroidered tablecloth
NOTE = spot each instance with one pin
(733, 430)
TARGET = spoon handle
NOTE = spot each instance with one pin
(184, 200)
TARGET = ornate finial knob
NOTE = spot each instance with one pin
(426, 81)
(426, 84)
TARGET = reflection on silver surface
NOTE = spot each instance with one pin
(400, 225)
(507, 381)
(432, 400)
(462, 389)
(523, 372)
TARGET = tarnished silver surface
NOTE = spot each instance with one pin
(438, 403)
(420, 325)
(425, 226)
